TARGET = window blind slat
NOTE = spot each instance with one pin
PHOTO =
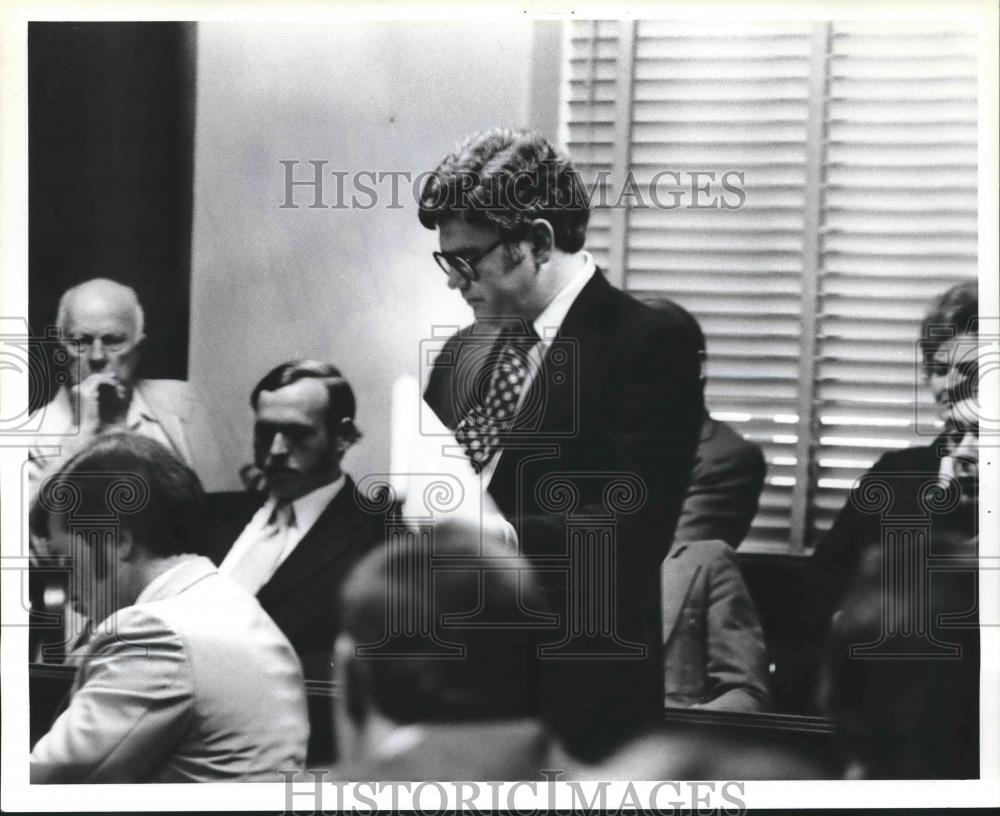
(898, 219)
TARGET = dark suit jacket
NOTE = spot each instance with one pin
(618, 400)
(725, 488)
(905, 473)
(901, 476)
(303, 596)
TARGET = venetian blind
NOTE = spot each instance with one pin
(899, 227)
(857, 152)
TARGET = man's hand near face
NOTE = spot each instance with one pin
(102, 401)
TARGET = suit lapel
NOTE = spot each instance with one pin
(578, 327)
(333, 536)
(557, 389)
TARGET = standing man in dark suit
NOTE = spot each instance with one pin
(581, 417)
(297, 546)
(728, 473)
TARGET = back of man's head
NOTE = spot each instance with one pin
(686, 322)
(410, 663)
(900, 702)
(131, 480)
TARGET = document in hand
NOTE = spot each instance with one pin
(431, 473)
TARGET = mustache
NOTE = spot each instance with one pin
(279, 469)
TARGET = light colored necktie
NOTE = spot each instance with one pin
(260, 561)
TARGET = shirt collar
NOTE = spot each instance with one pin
(308, 508)
(547, 324)
(138, 411)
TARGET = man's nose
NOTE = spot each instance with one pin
(96, 357)
(456, 281)
(279, 445)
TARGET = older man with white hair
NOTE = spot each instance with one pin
(100, 324)
(101, 328)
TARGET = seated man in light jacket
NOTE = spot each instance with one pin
(713, 645)
(186, 678)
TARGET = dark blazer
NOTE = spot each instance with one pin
(617, 402)
(714, 653)
(906, 475)
(902, 477)
(726, 482)
(303, 596)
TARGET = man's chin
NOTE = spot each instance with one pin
(283, 485)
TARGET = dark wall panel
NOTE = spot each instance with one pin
(111, 130)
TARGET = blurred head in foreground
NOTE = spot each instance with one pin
(121, 510)
(402, 661)
(902, 690)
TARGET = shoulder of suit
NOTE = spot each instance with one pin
(164, 389)
(722, 439)
(607, 309)
(917, 458)
(138, 628)
(702, 552)
(174, 396)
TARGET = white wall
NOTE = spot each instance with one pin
(357, 288)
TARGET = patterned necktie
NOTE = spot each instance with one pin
(479, 431)
(258, 564)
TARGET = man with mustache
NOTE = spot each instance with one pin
(298, 545)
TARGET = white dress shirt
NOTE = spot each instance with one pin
(305, 510)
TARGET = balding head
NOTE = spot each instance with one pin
(106, 295)
(101, 321)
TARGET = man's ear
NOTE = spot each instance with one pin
(542, 240)
(350, 710)
(345, 435)
(343, 655)
(127, 551)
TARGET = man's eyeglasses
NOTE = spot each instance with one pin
(465, 268)
(114, 345)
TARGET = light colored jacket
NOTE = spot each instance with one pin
(192, 683)
(196, 438)
(714, 654)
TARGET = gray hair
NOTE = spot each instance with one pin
(127, 292)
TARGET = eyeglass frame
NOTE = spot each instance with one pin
(453, 262)
(77, 347)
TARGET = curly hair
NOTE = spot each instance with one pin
(508, 178)
(952, 313)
